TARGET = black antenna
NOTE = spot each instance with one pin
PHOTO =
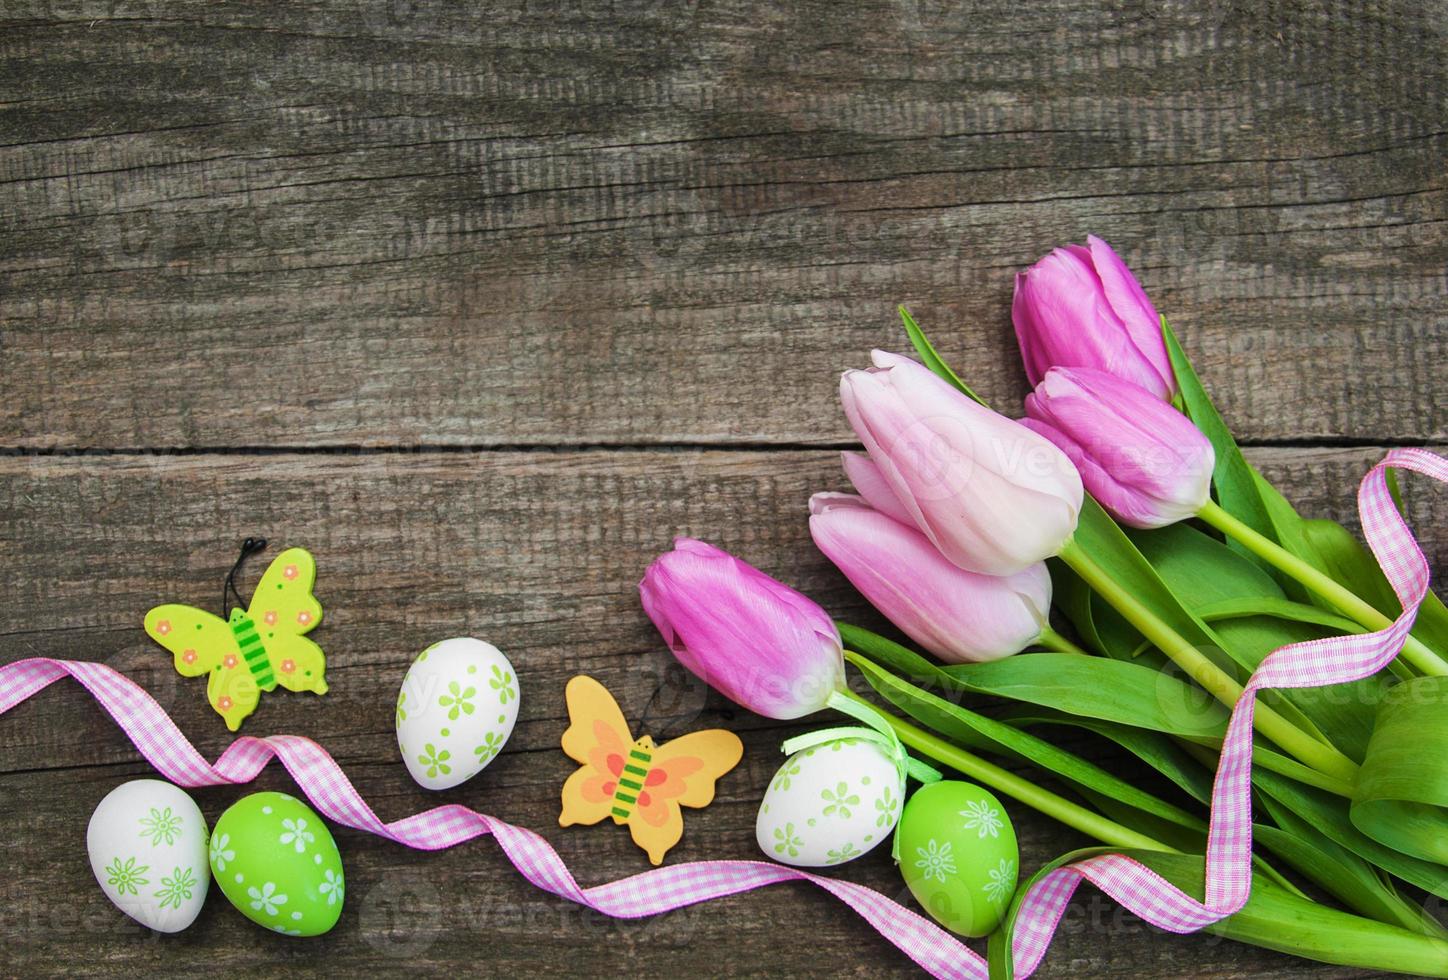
(249, 547)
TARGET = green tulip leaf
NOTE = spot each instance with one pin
(1098, 687)
(1153, 748)
(1329, 815)
(1340, 872)
(1191, 841)
(1092, 687)
(1349, 562)
(979, 732)
(933, 360)
(1201, 569)
(1273, 918)
(1401, 798)
(1297, 612)
(1231, 476)
(898, 657)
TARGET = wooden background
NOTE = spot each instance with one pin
(483, 302)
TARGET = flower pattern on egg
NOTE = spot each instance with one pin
(161, 825)
(502, 682)
(1002, 881)
(839, 800)
(331, 886)
(935, 860)
(787, 841)
(221, 851)
(983, 818)
(128, 878)
(492, 745)
(266, 898)
(176, 887)
(295, 832)
(458, 700)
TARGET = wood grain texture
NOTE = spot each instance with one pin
(538, 552)
(415, 223)
(482, 303)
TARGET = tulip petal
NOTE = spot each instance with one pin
(1133, 308)
(959, 616)
(866, 478)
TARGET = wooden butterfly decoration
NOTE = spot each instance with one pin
(633, 780)
(253, 651)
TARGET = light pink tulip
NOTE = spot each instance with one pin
(993, 496)
(1080, 306)
(1144, 461)
(957, 615)
(755, 640)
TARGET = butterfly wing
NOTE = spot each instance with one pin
(297, 663)
(283, 604)
(598, 739)
(233, 693)
(681, 773)
(204, 644)
(197, 640)
(283, 609)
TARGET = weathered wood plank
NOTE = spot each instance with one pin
(638, 223)
(538, 552)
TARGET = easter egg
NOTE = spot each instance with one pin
(455, 711)
(958, 855)
(829, 804)
(275, 860)
(147, 847)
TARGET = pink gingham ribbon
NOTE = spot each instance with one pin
(1331, 660)
(163, 744)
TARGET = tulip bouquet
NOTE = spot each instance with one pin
(1122, 503)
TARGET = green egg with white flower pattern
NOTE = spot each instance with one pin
(275, 860)
(958, 855)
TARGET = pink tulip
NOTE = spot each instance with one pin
(957, 615)
(1140, 458)
(991, 495)
(1080, 306)
(755, 640)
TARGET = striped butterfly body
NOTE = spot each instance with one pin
(632, 775)
(633, 780)
(253, 650)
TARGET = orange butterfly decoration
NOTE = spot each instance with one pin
(632, 780)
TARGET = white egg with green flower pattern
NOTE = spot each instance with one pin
(830, 804)
(456, 709)
(147, 846)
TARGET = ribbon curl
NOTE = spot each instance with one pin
(1331, 660)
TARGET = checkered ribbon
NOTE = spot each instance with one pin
(1331, 660)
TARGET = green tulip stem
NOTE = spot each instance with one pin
(1307, 749)
(1347, 602)
(1073, 815)
(1052, 640)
